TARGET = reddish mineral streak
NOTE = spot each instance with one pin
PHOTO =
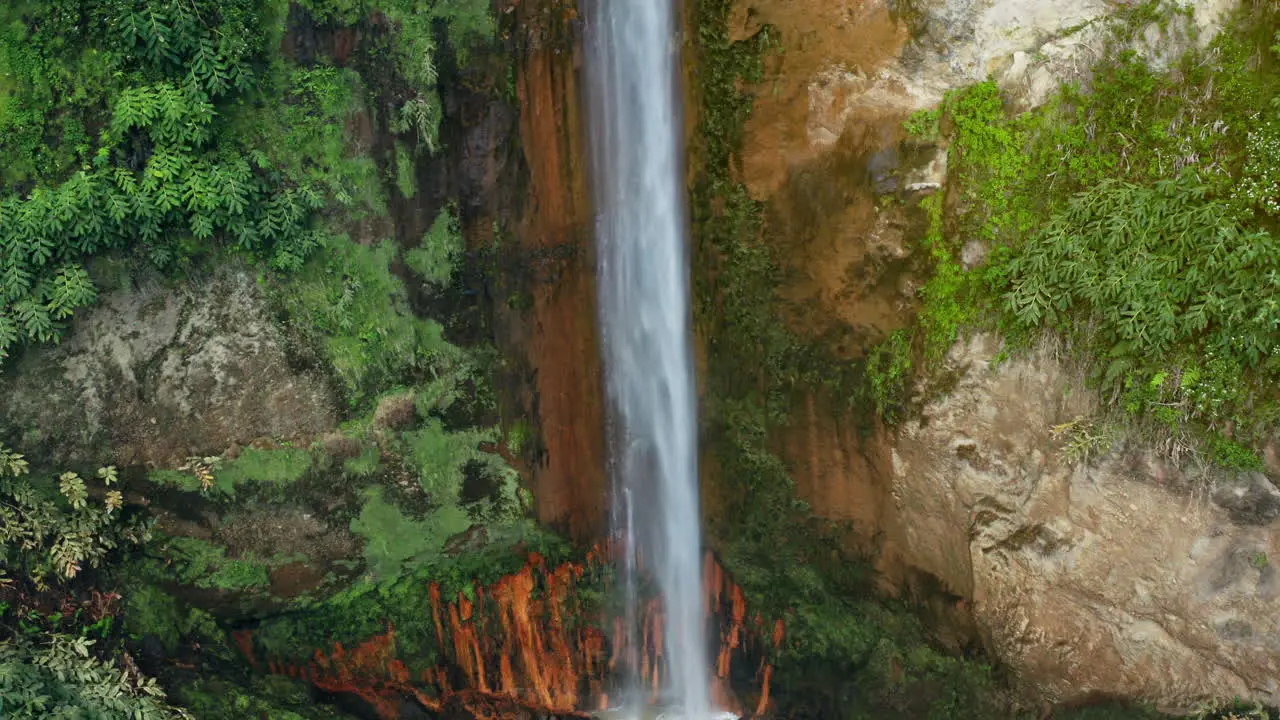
(520, 644)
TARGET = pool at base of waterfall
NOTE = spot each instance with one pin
(658, 713)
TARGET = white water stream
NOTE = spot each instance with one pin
(636, 126)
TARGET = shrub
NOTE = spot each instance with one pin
(1152, 268)
(348, 303)
(49, 529)
(367, 463)
(59, 679)
(161, 176)
(1259, 187)
(391, 539)
(435, 257)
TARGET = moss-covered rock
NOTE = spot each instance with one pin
(159, 371)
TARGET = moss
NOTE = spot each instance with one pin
(438, 456)
(237, 575)
(275, 697)
(366, 608)
(206, 565)
(280, 466)
(392, 539)
(406, 183)
(175, 478)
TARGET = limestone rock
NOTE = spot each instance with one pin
(153, 374)
(1029, 46)
(1123, 574)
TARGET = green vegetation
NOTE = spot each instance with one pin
(176, 133)
(947, 295)
(50, 528)
(275, 697)
(435, 256)
(1135, 218)
(367, 463)
(206, 565)
(364, 609)
(136, 90)
(414, 55)
(391, 539)
(169, 129)
(58, 678)
(151, 611)
(349, 304)
(441, 460)
(279, 466)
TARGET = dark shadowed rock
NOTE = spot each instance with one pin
(1249, 498)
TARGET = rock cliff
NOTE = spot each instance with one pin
(158, 372)
(1118, 573)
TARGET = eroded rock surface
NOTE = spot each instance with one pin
(155, 373)
(1122, 574)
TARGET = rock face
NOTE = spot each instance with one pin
(556, 333)
(1118, 574)
(1123, 573)
(153, 374)
(824, 139)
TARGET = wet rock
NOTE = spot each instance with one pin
(882, 169)
(928, 173)
(973, 254)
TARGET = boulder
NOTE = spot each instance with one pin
(156, 372)
(1097, 565)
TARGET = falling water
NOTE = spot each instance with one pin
(638, 179)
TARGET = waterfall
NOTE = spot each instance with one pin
(636, 129)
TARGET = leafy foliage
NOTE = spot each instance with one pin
(363, 610)
(348, 303)
(467, 23)
(1153, 269)
(889, 367)
(167, 127)
(391, 539)
(434, 259)
(59, 679)
(279, 466)
(1259, 187)
(206, 565)
(49, 528)
(1134, 218)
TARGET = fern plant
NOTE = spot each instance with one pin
(170, 171)
(1151, 269)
